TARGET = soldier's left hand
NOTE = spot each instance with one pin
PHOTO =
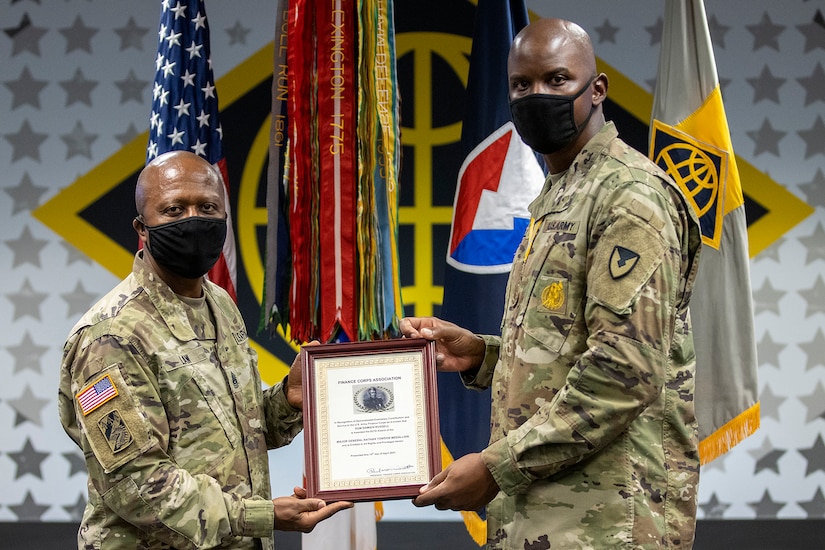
(298, 513)
(466, 484)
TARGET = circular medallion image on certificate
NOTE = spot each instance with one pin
(369, 398)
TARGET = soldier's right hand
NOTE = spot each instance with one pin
(457, 349)
(298, 513)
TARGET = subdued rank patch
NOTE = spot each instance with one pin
(554, 296)
(115, 431)
(622, 261)
(96, 394)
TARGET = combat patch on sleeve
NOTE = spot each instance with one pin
(115, 431)
(625, 257)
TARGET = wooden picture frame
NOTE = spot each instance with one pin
(371, 427)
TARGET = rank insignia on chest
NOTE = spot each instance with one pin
(115, 431)
(554, 296)
(622, 262)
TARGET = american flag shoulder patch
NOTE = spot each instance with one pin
(96, 394)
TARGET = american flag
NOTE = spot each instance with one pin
(185, 106)
(96, 394)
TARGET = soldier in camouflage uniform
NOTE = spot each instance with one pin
(593, 433)
(160, 389)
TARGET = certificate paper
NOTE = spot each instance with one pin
(371, 419)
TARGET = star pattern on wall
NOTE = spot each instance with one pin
(766, 33)
(28, 407)
(766, 457)
(814, 508)
(26, 142)
(27, 354)
(814, 298)
(131, 88)
(79, 300)
(718, 31)
(815, 456)
(27, 460)
(237, 33)
(814, 138)
(29, 510)
(75, 510)
(76, 463)
(78, 89)
(766, 86)
(26, 89)
(25, 195)
(815, 189)
(814, 350)
(25, 37)
(131, 35)
(766, 507)
(128, 135)
(73, 255)
(814, 33)
(814, 245)
(78, 142)
(768, 350)
(814, 403)
(766, 138)
(714, 508)
(766, 298)
(26, 248)
(814, 85)
(606, 32)
(769, 403)
(78, 36)
(26, 301)
(655, 31)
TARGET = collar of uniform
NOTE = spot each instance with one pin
(597, 143)
(166, 302)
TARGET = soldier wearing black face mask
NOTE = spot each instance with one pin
(593, 432)
(159, 388)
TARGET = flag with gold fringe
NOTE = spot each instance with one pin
(690, 139)
(332, 270)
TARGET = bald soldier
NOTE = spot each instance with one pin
(593, 434)
(160, 389)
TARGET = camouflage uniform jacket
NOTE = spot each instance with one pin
(172, 420)
(593, 439)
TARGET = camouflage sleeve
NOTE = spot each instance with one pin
(283, 422)
(634, 264)
(481, 378)
(125, 438)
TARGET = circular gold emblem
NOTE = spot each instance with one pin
(552, 297)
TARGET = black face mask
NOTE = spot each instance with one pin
(546, 122)
(188, 247)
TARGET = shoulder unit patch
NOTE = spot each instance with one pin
(622, 261)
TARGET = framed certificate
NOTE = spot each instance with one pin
(370, 419)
